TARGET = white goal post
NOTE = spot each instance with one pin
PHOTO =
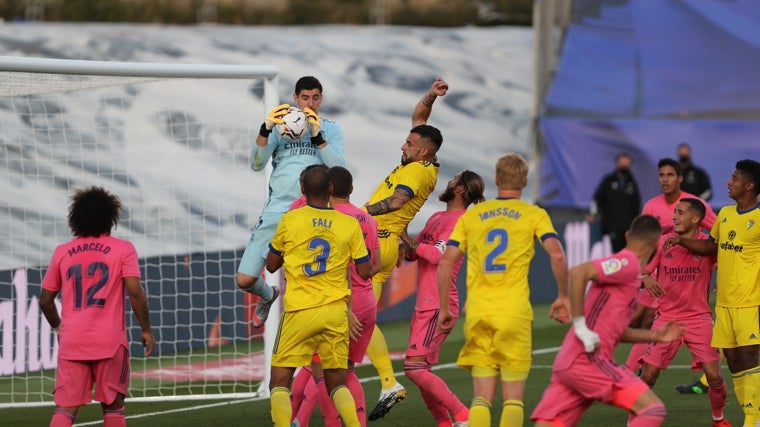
(173, 142)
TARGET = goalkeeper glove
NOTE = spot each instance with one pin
(588, 337)
(315, 126)
(273, 118)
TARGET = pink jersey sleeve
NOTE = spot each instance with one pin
(297, 203)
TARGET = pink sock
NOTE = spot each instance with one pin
(326, 405)
(308, 403)
(420, 374)
(61, 418)
(357, 391)
(296, 390)
(439, 412)
(717, 393)
(637, 352)
(651, 416)
(114, 418)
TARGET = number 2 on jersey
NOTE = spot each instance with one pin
(322, 247)
(500, 237)
(75, 273)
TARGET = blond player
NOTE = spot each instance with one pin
(499, 238)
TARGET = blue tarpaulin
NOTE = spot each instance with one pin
(642, 76)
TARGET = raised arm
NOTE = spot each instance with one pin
(139, 304)
(327, 136)
(262, 150)
(424, 106)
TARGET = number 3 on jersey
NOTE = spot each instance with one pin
(499, 238)
(322, 247)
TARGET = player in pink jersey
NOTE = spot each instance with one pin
(584, 370)
(425, 337)
(91, 272)
(362, 316)
(680, 279)
(661, 207)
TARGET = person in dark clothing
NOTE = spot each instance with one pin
(617, 201)
(695, 179)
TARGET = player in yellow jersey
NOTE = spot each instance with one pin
(499, 239)
(735, 238)
(315, 244)
(394, 203)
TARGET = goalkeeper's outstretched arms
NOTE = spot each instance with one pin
(424, 106)
(262, 150)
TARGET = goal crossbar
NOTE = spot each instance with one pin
(135, 69)
(44, 125)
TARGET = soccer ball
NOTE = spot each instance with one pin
(294, 124)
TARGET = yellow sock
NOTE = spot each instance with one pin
(752, 395)
(512, 414)
(480, 412)
(279, 399)
(746, 387)
(703, 380)
(378, 354)
(346, 406)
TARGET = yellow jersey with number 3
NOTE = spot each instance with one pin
(317, 245)
(416, 178)
(737, 234)
(499, 237)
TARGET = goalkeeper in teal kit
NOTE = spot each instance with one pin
(323, 143)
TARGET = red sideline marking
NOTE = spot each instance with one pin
(249, 367)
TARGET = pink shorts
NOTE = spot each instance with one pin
(697, 339)
(588, 379)
(367, 318)
(74, 379)
(425, 337)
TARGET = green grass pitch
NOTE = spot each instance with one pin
(683, 410)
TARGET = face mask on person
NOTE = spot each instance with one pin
(684, 159)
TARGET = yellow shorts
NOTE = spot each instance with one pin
(388, 260)
(323, 329)
(497, 342)
(735, 327)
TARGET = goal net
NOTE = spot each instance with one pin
(173, 142)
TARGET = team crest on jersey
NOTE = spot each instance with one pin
(613, 265)
(750, 223)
